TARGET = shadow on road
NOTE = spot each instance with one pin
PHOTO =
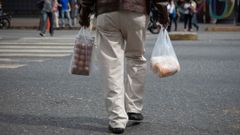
(80, 123)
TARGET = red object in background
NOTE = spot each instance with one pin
(47, 25)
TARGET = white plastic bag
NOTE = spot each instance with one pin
(82, 53)
(164, 60)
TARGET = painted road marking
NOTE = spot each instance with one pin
(16, 55)
(34, 47)
(34, 43)
(21, 60)
(3, 66)
(47, 38)
(33, 50)
(235, 111)
(33, 55)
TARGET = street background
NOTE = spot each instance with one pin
(38, 96)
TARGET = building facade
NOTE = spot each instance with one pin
(19, 8)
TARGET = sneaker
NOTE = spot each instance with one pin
(116, 130)
(42, 34)
(135, 116)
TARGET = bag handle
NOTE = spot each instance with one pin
(84, 33)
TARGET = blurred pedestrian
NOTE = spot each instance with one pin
(65, 13)
(56, 13)
(74, 11)
(1, 10)
(121, 28)
(172, 15)
(47, 12)
(187, 15)
(194, 14)
(59, 9)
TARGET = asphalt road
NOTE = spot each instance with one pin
(39, 97)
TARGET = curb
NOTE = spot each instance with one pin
(223, 29)
(183, 36)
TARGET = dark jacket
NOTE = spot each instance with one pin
(103, 6)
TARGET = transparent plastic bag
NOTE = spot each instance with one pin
(82, 53)
(164, 60)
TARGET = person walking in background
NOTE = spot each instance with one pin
(120, 34)
(74, 11)
(59, 12)
(56, 13)
(47, 12)
(172, 15)
(194, 14)
(65, 12)
(1, 10)
(187, 16)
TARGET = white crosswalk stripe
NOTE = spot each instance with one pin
(32, 50)
(33, 47)
(34, 44)
(16, 55)
(11, 65)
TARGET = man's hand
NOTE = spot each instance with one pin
(162, 8)
(164, 20)
(84, 21)
(84, 18)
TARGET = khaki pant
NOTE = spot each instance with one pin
(120, 36)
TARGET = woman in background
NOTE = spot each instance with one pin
(187, 16)
(55, 13)
(194, 14)
(172, 15)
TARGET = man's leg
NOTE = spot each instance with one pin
(185, 21)
(175, 23)
(62, 19)
(190, 23)
(194, 21)
(56, 22)
(51, 18)
(73, 16)
(134, 31)
(110, 41)
(44, 23)
(170, 23)
(69, 18)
